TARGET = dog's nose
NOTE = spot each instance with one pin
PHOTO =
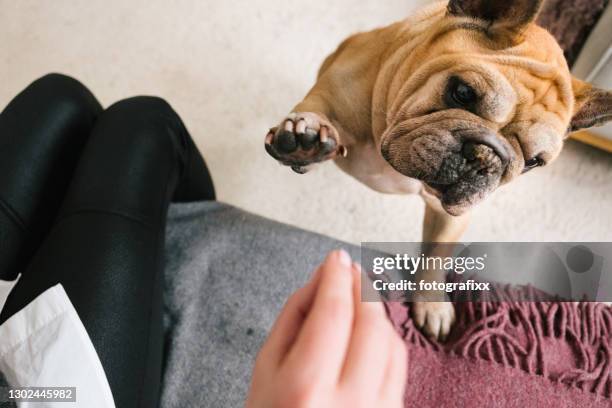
(489, 139)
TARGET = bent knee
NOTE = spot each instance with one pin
(148, 122)
(65, 94)
(147, 108)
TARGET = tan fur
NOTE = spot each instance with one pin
(386, 82)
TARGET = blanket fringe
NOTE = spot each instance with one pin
(566, 342)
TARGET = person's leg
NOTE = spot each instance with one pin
(196, 184)
(106, 247)
(42, 133)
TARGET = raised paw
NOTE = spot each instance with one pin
(303, 139)
(434, 318)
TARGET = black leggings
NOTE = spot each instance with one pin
(84, 194)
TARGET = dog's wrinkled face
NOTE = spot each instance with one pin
(485, 96)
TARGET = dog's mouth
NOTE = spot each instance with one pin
(460, 166)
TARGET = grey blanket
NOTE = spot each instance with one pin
(228, 274)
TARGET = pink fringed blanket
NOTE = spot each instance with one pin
(523, 354)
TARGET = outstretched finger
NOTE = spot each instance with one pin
(321, 345)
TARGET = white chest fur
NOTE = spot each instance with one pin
(366, 164)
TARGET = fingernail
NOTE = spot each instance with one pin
(344, 258)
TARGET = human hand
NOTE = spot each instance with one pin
(329, 349)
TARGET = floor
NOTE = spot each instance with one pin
(233, 69)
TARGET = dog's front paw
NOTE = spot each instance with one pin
(303, 139)
(434, 318)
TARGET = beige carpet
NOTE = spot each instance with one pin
(232, 69)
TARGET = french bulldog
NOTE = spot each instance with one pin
(451, 103)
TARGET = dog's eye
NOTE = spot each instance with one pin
(459, 94)
(532, 164)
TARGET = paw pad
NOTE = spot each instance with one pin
(302, 140)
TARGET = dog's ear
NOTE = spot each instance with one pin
(593, 106)
(503, 17)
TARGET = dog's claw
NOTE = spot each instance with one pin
(300, 127)
(289, 126)
(328, 145)
(343, 151)
(323, 134)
